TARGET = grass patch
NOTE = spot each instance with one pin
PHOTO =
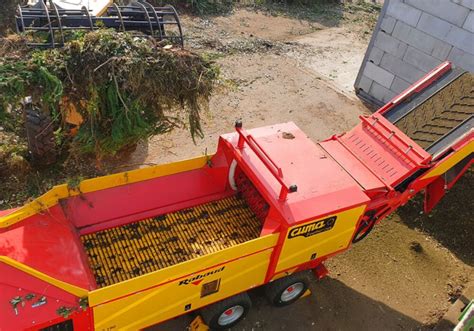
(329, 12)
(199, 7)
(326, 12)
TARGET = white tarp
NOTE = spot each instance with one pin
(96, 7)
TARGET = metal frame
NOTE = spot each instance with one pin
(139, 16)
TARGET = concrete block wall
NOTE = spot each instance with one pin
(411, 38)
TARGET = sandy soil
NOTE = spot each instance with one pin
(252, 24)
(271, 89)
(306, 76)
(277, 82)
(335, 56)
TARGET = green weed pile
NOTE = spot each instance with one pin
(126, 88)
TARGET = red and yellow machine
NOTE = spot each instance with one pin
(130, 250)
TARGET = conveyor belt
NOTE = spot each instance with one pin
(135, 249)
(441, 113)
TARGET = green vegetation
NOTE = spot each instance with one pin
(211, 6)
(327, 12)
(125, 88)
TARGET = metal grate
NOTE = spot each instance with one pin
(61, 326)
(135, 249)
(441, 113)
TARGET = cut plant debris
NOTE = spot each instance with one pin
(103, 91)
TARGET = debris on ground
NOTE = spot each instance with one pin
(416, 247)
(11, 155)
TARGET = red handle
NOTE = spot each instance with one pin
(274, 169)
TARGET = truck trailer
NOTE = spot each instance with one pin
(134, 249)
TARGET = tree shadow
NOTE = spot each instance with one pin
(451, 222)
(7, 16)
(328, 13)
(331, 306)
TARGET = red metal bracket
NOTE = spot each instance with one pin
(421, 84)
(320, 271)
(274, 169)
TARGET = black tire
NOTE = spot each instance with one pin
(364, 230)
(212, 314)
(40, 133)
(279, 293)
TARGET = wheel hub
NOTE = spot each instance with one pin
(231, 315)
(292, 292)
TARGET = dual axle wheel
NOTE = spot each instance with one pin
(228, 312)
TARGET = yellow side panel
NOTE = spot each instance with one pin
(175, 298)
(319, 237)
(180, 270)
(451, 161)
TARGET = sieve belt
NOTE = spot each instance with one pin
(131, 250)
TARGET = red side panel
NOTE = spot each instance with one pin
(82, 320)
(39, 300)
(122, 201)
(47, 242)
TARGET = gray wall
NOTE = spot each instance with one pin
(411, 38)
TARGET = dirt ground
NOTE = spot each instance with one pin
(277, 69)
(280, 69)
